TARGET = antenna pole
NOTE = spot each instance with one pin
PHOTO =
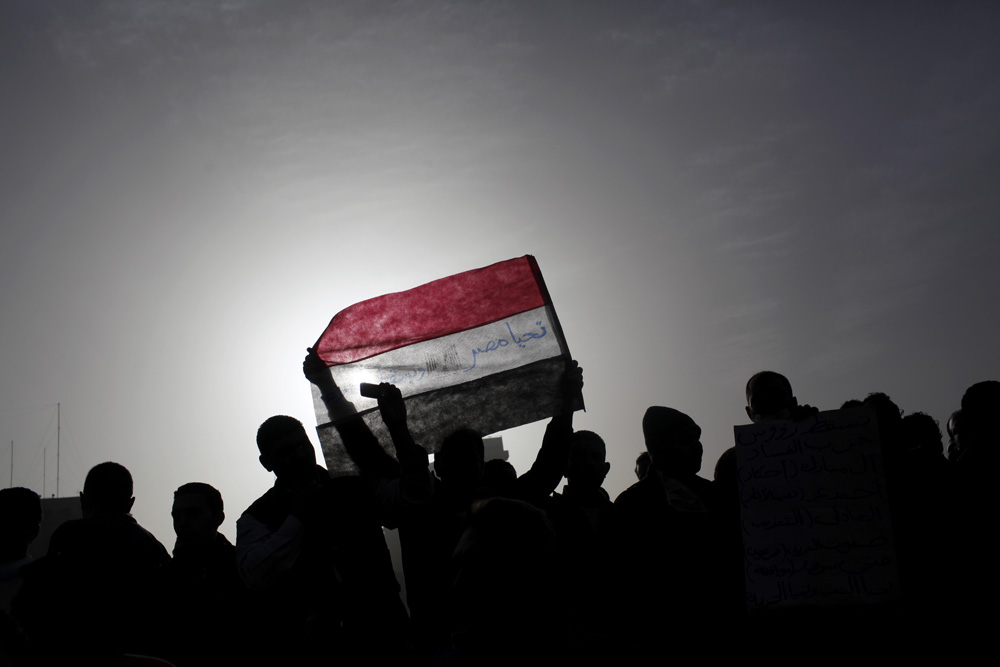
(58, 436)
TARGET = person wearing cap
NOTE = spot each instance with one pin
(668, 538)
(673, 441)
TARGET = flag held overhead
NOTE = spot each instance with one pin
(481, 349)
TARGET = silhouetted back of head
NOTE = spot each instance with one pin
(590, 441)
(921, 433)
(587, 464)
(499, 478)
(108, 489)
(888, 413)
(769, 396)
(672, 440)
(980, 412)
(890, 422)
(460, 459)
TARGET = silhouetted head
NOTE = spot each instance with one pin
(890, 428)
(672, 440)
(851, 403)
(107, 490)
(459, 463)
(20, 517)
(197, 511)
(285, 449)
(980, 412)
(587, 465)
(499, 478)
(890, 416)
(921, 433)
(503, 565)
(769, 396)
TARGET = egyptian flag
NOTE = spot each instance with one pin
(481, 349)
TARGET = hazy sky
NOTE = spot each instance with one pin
(190, 190)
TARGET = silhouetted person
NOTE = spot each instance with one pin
(313, 549)
(669, 540)
(673, 441)
(973, 575)
(582, 517)
(107, 537)
(919, 494)
(20, 518)
(96, 589)
(726, 490)
(504, 593)
(583, 506)
(981, 421)
(206, 598)
(980, 426)
(769, 397)
(430, 511)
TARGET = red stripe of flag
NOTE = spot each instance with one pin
(449, 305)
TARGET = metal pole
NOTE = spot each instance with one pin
(58, 442)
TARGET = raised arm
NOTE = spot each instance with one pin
(415, 483)
(361, 444)
(550, 463)
(318, 373)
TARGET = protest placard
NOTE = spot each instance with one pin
(814, 512)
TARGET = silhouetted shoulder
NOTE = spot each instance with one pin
(639, 493)
(111, 540)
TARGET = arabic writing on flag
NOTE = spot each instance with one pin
(480, 349)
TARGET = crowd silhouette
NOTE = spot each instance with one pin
(499, 568)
